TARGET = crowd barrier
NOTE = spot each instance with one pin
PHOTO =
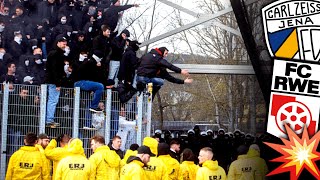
(23, 110)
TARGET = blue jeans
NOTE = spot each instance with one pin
(155, 81)
(96, 87)
(53, 98)
(113, 69)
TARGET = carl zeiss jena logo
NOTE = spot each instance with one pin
(292, 29)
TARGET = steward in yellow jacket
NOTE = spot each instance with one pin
(254, 153)
(106, 162)
(130, 152)
(75, 166)
(155, 168)
(55, 153)
(210, 169)
(133, 170)
(43, 141)
(28, 162)
(245, 168)
(188, 170)
(172, 165)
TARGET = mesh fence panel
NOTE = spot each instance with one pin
(25, 109)
(23, 115)
(63, 114)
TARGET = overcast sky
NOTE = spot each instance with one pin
(165, 14)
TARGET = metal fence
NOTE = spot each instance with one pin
(23, 110)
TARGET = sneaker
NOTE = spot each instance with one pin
(96, 110)
(52, 124)
(89, 128)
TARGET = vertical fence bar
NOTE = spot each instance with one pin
(139, 120)
(149, 109)
(108, 116)
(4, 131)
(75, 127)
(43, 108)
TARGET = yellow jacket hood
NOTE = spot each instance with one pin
(212, 165)
(29, 148)
(253, 153)
(75, 147)
(152, 143)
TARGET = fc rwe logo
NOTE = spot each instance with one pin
(292, 29)
(295, 111)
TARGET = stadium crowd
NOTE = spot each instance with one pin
(68, 43)
(200, 156)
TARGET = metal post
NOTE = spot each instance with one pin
(43, 108)
(108, 116)
(149, 108)
(4, 131)
(76, 109)
(139, 120)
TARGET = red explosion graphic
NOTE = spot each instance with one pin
(297, 154)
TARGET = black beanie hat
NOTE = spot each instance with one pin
(242, 149)
(163, 149)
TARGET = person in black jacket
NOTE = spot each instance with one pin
(112, 15)
(101, 42)
(153, 69)
(54, 75)
(126, 76)
(117, 46)
(89, 77)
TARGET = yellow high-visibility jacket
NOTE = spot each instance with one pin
(261, 163)
(245, 168)
(129, 153)
(75, 166)
(188, 170)
(40, 148)
(55, 154)
(211, 170)
(156, 169)
(106, 163)
(172, 166)
(28, 163)
(133, 170)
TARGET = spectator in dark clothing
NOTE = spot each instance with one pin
(17, 47)
(152, 69)
(92, 3)
(10, 76)
(112, 15)
(62, 28)
(3, 35)
(12, 4)
(4, 15)
(20, 18)
(79, 44)
(115, 145)
(91, 12)
(67, 10)
(54, 74)
(3, 64)
(88, 78)
(101, 42)
(117, 46)
(128, 63)
(77, 16)
(30, 7)
(39, 71)
(91, 30)
(48, 10)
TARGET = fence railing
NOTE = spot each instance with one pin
(23, 110)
